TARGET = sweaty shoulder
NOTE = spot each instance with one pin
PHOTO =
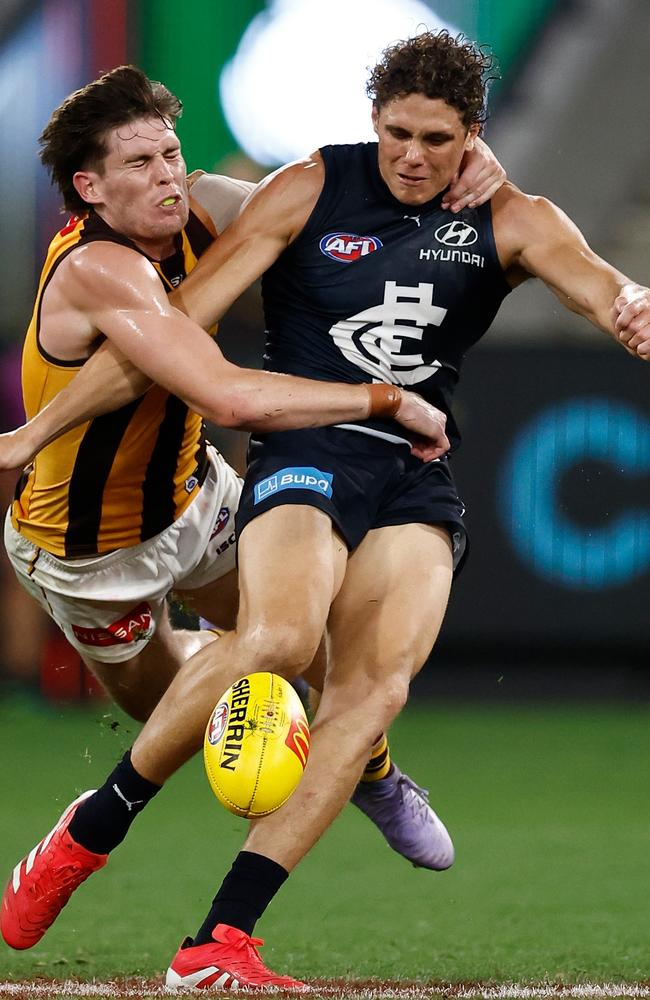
(522, 221)
(97, 279)
(108, 273)
(286, 198)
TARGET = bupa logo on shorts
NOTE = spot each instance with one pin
(456, 234)
(218, 722)
(306, 478)
(133, 626)
(347, 247)
(222, 520)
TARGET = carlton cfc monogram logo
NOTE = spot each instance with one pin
(347, 247)
(386, 340)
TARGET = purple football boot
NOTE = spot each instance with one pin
(401, 810)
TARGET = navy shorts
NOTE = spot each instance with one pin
(360, 482)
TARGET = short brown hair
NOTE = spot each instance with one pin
(75, 136)
(439, 66)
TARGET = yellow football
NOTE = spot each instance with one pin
(256, 745)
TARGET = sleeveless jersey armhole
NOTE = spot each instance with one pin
(485, 211)
(328, 198)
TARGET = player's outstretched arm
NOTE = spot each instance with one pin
(536, 237)
(480, 176)
(119, 292)
(106, 382)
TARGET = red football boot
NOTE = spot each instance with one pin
(230, 962)
(43, 882)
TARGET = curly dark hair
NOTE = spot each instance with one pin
(439, 66)
(75, 136)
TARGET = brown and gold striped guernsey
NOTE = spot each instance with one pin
(124, 477)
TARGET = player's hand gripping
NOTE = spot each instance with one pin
(632, 320)
(425, 424)
(16, 449)
(479, 177)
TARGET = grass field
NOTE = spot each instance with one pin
(549, 812)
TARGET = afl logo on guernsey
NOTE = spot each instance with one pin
(347, 247)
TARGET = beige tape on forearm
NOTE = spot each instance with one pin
(384, 400)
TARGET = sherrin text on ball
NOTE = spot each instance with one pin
(256, 745)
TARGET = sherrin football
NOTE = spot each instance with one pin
(256, 745)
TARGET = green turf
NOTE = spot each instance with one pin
(548, 808)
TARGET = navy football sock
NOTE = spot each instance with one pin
(245, 893)
(102, 821)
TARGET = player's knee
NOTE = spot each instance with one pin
(374, 701)
(392, 696)
(285, 648)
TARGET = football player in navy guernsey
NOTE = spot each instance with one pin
(82, 539)
(366, 276)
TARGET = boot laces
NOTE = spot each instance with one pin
(53, 883)
(248, 954)
(249, 945)
(416, 798)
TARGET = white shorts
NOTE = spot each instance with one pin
(108, 606)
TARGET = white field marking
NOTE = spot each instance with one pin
(506, 991)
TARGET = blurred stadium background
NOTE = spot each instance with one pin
(555, 464)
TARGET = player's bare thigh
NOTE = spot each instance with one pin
(291, 566)
(387, 615)
(217, 602)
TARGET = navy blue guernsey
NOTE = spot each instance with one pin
(373, 290)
